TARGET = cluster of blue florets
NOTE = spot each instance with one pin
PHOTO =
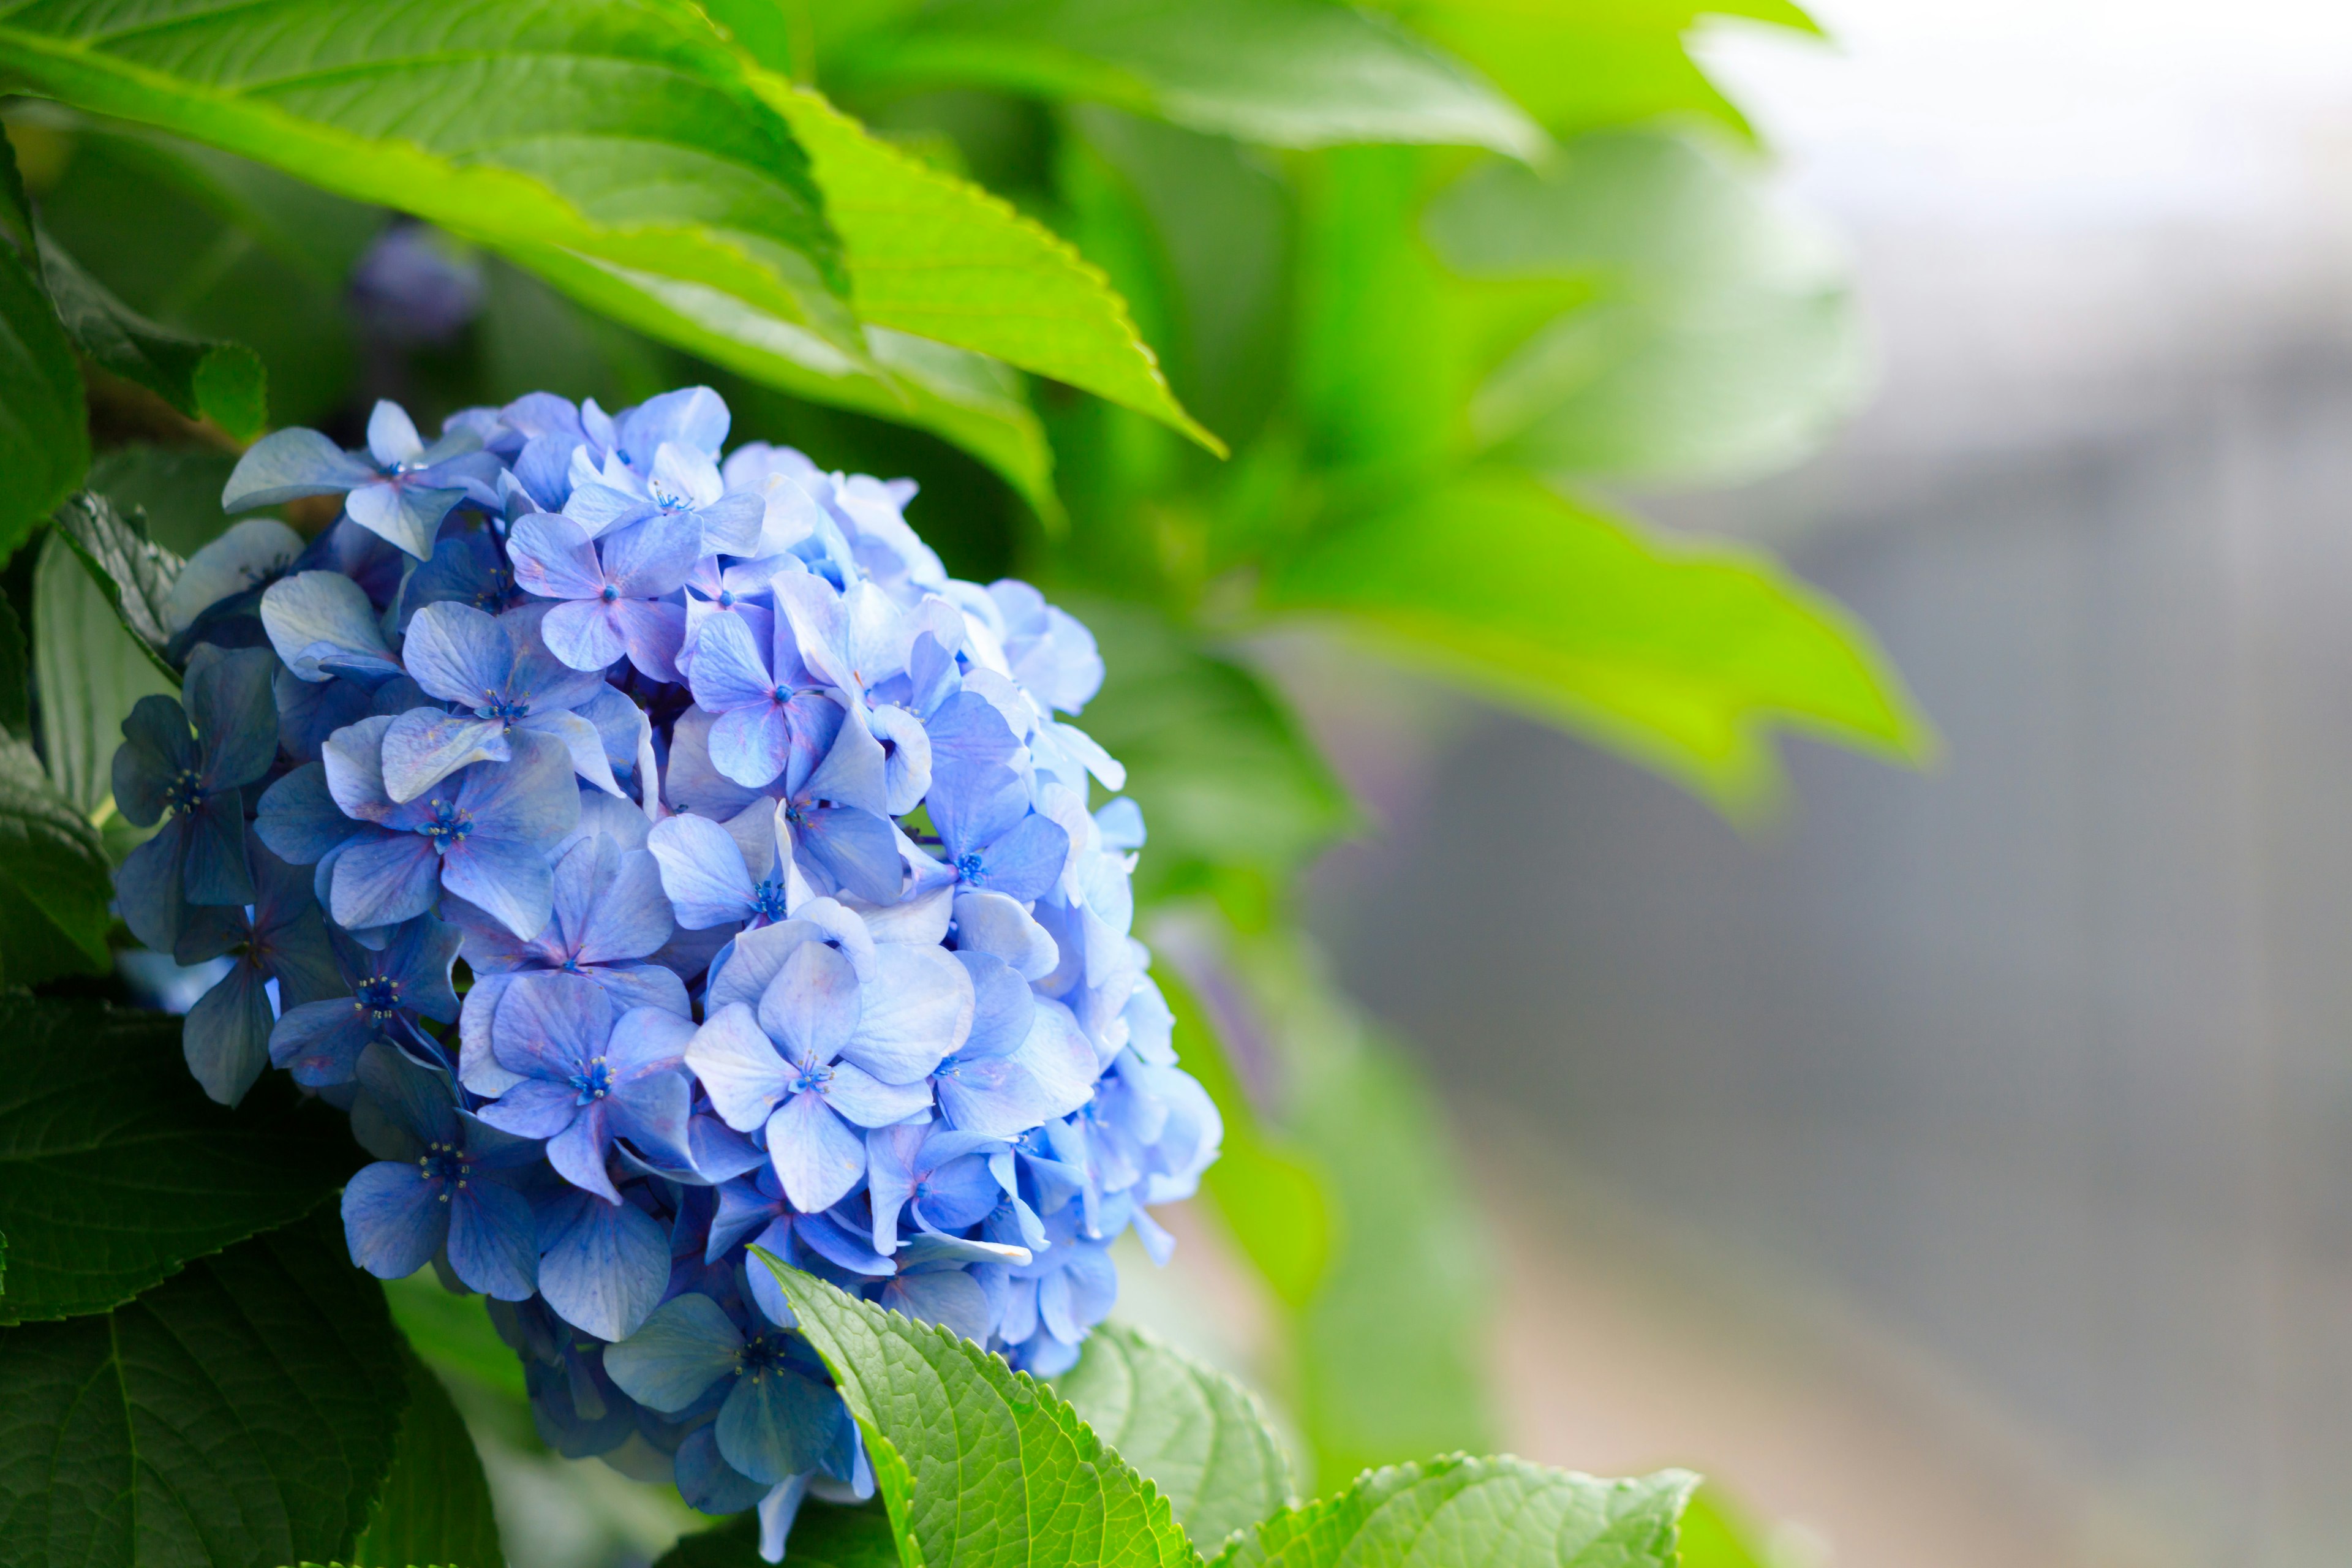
(769, 858)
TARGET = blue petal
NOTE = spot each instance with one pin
(426, 745)
(229, 702)
(288, 464)
(605, 1270)
(408, 515)
(701, 871)
(491, 1246)
(856, 848)
(393, 1219)
(950, 1298)
(915, 1011)
(708, 1482)
(687, 1344)
(693, 417)
(530, 800)
(156, 745)
(300, 820)
(227, 1036)
(816, 1156)
(384, 881)
(319, 1041)
(509, 881)
(149, 890)
(458, 654)
(1027, 862)
(776, 1423)
(217, 870)
(311, 608)
(1003, 1005)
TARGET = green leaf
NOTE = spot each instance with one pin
(1221, 769)
(115, 1170)
(453, 1333)
(941, 259)
(200, 377)
(55, 886)
(243, 1413)
(44, 429)
(435, 1507)
(1713, 336)
(1189, 1430)
(1714, 1534)
(16, 675)
(1460, 1512)
(179, 491)
(91, 672)
(823, 1536)
(623, 131)
(1288, 73)
(133, 571)
(1683, 654)
(975, 1461)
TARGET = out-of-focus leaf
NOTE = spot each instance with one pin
(1575, 65)
(627, 132)
(973, 1460)
(244, 1412)
(1715, 1535)
(44, 430)
(1287, 73)
(1719, 337)
(823, 1536)
(16, 675)
(178, 490)
(132, 571)
(942, 259)
(91, 672)
(435, 1507)
(1460, 1512)
(201, 377)
(1683, 655)
(453, 1333)
(55, 884)
(115, 1169)
(1222, 771)
(1189, 1430)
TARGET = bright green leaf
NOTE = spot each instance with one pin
(977, 1463)
(1714, 1534)
(1288, 73)
(115, 1170)
(243, 1413)
(44, 429)
(941, 259)
(823, 1536)
(1683, 654)
(625, 131)
(133, 571)
(90, 671)
(55, 886)
(198, 376)
(1460, 1512)
(435, 1507)
(1189, 1429)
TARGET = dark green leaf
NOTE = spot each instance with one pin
(1187, 1428)
(1288, 73)
(16, 675)
(90, 673)
(55, 886)
(44, 429)
(1683, 655)
(240, 1416)
(823, 1536)
(115, 1170)
(626, 134)
(435, 1507)
(200, 377)
(133, 571)
(1460, 1512)
(975, 1461)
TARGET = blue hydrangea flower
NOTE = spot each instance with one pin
(279, 944)
(778, 1413)
(398, 490)
(499, 677)
(383, 996)
(996, 843)
(614, 591)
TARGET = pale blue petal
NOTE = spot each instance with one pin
(810, 1008)
(426, 745)
(817, 1156)
(866, 1101)
(508, 879)
(739, 1067)
(915, 1013)
(604, 1271)
(993, 923)
(458, 654)
(287, 464)
(408, 515)
(311, 608)
(701, 871)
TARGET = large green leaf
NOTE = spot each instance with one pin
(1460, 1512)
(1189, 1429)
(823, 1536)
(55, 882)
(201, 377)
(435, 1507)
(1684, 655)
(132, 571)
(1289, 73)
(977, 1463)
(622, 130)
(44, 431)
(90, 673)
(1713, 336)
(15, 674)
(240, 1416)
(115, 1169)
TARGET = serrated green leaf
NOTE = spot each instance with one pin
(44, 429)
(243, 1413)
(941, 259)
(823, 1536)
(201, 377)
(1287, 73)
(1460, 1512)
(90, 673)
(55, 886)
(132, 571)
(977, 1463)
(1684, 655)
(435, 1507)
(625, 131)
(115, 1170)
(1189, 1429)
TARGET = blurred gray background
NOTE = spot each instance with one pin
(1962, 1168)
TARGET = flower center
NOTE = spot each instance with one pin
(450, 826)
(444, 1162)
(378, 996)
(593, 1084)
(185, 791)
(726, 598)
(812, 1079)
(971, 868)
(611, 593)
(767, 898)
(761, 1355)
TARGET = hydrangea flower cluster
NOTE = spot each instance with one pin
(659, 857)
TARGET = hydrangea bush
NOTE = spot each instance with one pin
(658, 855)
